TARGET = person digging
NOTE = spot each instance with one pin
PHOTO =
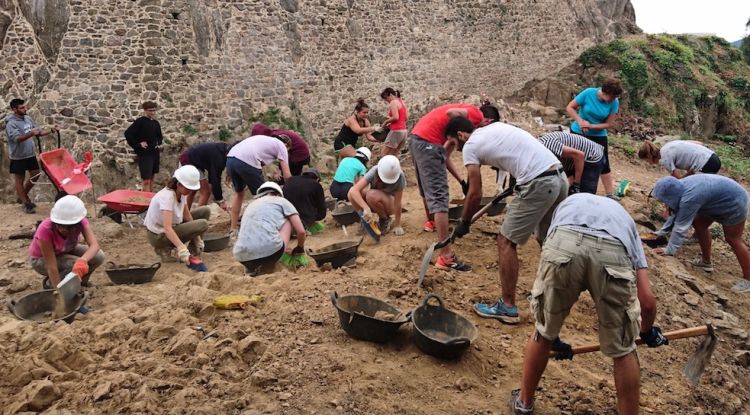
(55, 250)
(307, 196)
(378, 195)
(582, 159)
(171, 224)
(593, 246)
(541, 185)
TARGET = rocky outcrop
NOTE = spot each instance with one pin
(211, 64)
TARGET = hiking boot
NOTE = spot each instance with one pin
(452, 264)
(613, 197)
(742, 286)
(29, 208)
(516, 406)
(499, 310)
(705, 266)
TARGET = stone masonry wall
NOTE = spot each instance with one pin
(210, 64)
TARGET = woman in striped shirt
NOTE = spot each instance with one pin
(582, 159)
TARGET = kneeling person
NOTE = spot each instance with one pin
(171, 224)
(266, 229)
(55, 250)
(600, 253)
(380, 192)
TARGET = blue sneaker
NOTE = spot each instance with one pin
(500, 311)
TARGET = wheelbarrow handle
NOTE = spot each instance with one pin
(458, 341)
(59, 140)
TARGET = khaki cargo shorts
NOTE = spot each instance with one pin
(396, 139)
(532, 207)
(573, 262)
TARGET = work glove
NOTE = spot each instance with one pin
(398, 231)
(298, 250)
(563, 351)
(574, 188)
(654, 338)
(183, 254)
(464, 187)
(378, 128)
(368, 216)
(81, 267)
(462, 228)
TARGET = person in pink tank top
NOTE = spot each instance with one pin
(396, 121)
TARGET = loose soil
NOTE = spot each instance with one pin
(162, 347)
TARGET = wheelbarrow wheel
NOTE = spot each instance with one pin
(111, 213)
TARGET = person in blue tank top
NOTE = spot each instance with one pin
(594, 111)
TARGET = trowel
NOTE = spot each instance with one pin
(67, 292)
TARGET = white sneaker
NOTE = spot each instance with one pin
(698, 263)
(742, 286)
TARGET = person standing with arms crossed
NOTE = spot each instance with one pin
(594, 111)
(145, 138)
(20, 128)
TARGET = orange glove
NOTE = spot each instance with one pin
(81, 267)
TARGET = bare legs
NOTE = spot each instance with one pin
(733, 236)
(236, 208)
(508, 254)
(147, 184)
(23, 186)
(606, 179)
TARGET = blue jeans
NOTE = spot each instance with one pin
(590, 176)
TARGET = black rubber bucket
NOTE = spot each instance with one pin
(38, 306)
(131, 273)
(363, 317)
(337, 254)
(440, 332)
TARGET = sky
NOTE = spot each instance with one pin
(725, 18)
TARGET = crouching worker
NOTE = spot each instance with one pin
(380, 193)
(265, 230)
(56, 251)
(600, 253)
(171, 224)
(307, 196)
(349, 171)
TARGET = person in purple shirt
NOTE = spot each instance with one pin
(299, 154)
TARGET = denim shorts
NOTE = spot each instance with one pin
(244, 175)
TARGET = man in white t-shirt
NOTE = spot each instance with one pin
(541, 185)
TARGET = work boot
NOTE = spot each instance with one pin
(516, 406)
(499, 310)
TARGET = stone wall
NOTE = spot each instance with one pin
(210, 64)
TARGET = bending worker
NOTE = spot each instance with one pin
(592, 246)
(349, 171)
(380, 193)
(691, 156)
(583, 159)
(55, 250)
(210, 159)
(307, 196)
(171, 224)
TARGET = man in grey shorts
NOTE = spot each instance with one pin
(592, 245)
(541, 185)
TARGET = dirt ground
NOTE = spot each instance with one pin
(144, 349)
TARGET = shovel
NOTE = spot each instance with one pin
(437, 245)
(67, 292)
(696, 364)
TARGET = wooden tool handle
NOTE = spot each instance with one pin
(672, 335)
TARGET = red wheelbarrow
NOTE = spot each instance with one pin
(123, 202)
(67, 176)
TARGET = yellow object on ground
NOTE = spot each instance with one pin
(234, 302)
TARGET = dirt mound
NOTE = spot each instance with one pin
(162, 347)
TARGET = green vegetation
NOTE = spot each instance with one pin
(189, 129)
(624, 143)
(669, 79)
(274, 119)
(734, 160)
(224, 134)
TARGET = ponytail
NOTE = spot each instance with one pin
(649, 150)
(390, 91)
(360, 105)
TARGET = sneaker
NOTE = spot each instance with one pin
(453, 264)
(429, 226)
(613, 197)
(698, 263)
(499, 310)
(29, 208)
(743, 286)
(516, 406)
(384, 224)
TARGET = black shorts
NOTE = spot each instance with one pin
(340, 190)
(20, 167)
(295, 167)
(602, 141)
(264, 265)
(244, 175)
(713, 165)
(148, 165)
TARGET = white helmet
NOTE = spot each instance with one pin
(188, 176)
(365, 152)
(389, 169)
(69, 210)
(269, 187)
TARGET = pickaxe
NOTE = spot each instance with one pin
(697, 362)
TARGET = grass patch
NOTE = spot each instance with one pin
(734, 160)
(274, 119)
(624, 143)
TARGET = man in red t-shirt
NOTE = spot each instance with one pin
(431, 153)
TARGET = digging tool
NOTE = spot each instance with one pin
(696, 363)
(437, 245)
(367, 226)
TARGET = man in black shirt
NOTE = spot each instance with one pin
(210, 159)
(145, 137)
(306, 194)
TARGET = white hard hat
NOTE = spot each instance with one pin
(269, 187)
(365, 152)
(389, 169)
(188, 176)
(69, 210)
